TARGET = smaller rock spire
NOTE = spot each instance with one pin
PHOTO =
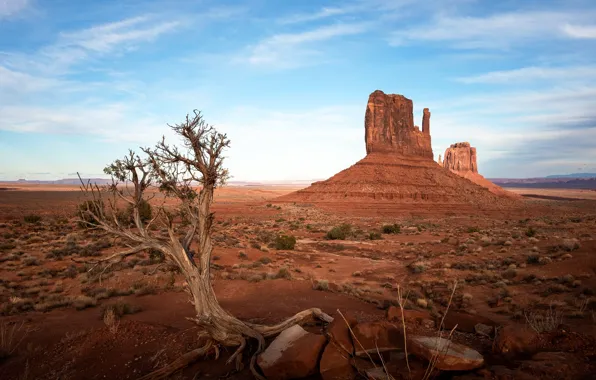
(426, 121)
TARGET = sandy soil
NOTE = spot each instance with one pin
(508, 264)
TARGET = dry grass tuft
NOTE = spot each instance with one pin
(110, 319)
(545, 321)
(10, 338)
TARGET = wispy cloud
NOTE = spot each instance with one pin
(533, 73)
(73, 47)
(291, 49)
(10, 8)
(318, 15)
(493, 31)
(579, 31)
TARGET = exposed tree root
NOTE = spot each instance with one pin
(300, 318)
(235, 333)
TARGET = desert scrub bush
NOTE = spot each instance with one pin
(285, 242)
(570, 244)
(156, 256)
(321, 285)
(142, 288)
(340, 232)
(30, 261)
(82, 302)
(473, 229)
(283, 273)
(391, 229)
(418, 267)
(145, 211)
(242, 255)
(265, 260)
(531, 232)
(532, 258)
(53, 301)
(84, 211)
(7, 246)
(375, 236)
(32, 218)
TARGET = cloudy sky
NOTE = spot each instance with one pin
(83, 81)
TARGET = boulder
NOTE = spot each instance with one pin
(371, 338)
(338, 331)
(516, 339)
(335, 364)
(293, 354)
(449, 356)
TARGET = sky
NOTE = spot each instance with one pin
(83, 81)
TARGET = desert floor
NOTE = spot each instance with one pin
(532, 263)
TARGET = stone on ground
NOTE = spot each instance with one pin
(335, 364)
(516, 339)
(372, 338)
(339, 332)
(293, 354)
(449, 356)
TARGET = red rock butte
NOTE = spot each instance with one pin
(461, 159)
(399, 166)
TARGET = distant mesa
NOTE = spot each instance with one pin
(399, 166)
(461, 159)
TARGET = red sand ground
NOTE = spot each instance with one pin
(362, 274)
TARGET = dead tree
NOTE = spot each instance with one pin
(176, 173)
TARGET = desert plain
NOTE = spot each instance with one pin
(532, 264)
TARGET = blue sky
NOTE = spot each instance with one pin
(83, 81)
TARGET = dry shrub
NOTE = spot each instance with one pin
(10, 338)
(111, 320)
(544, 321)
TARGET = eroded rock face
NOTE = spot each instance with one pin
(460, 157)
(389, 126)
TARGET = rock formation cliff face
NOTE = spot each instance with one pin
(399, 166)
(460, 157)
(389, 127)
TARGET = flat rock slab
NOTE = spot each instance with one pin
(449, 356)
(372, 338)
(293, 354)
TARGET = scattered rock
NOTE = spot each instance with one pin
(516, 339)
(449, 356)
(335, 364)
(371, 338)
(293, 354)
(339, 333)
(484, 330)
